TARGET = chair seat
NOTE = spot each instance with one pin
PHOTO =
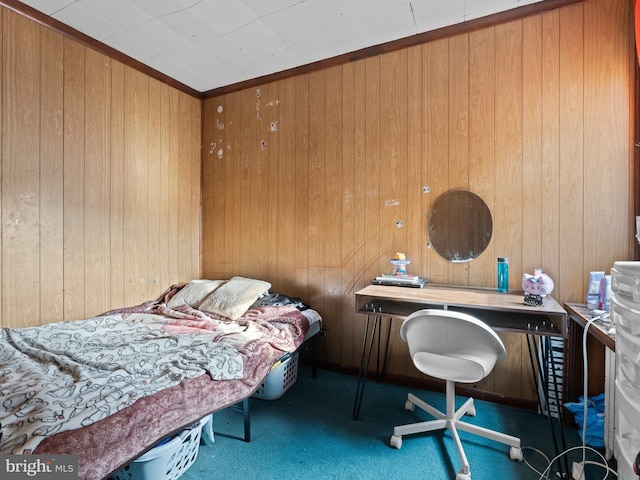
(459, 368)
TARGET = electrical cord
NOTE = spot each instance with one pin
(585, 369)
(539, 452)
(545, 474)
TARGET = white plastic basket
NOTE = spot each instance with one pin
(282, 376)
(167, 461)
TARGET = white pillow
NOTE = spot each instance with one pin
(235, 297)
(193, 293)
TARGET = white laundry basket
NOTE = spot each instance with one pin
(282, 376)
(167, 461)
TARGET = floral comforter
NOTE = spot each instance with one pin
(68, 375)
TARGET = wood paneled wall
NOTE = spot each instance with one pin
(100, 201)
(313, 182)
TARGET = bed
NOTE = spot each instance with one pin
(110, 387)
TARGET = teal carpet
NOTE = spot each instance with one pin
(309, 433)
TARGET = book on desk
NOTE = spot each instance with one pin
(390, 279)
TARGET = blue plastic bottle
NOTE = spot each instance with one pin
(503, 274)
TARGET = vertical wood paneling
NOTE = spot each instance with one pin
(393, 173)
(333, 202)
(96, 178)
(164, 186)
(287, 176)
(86, 220)
(353, 227)
(349, 215)
(436, 134)
(512, 112)
(74, 172)
(374, 259)
(360, 200)
(250, 148)
(266, 178)
(184, 193)
(234, 166)
(226, 138)
(572, 199)
(195, 157)
(393, 154)
(117, 175)
(458, 156)
(136, 181)
(227, 192)
(508, 148)
(259, 198)
(20, 170)
(317, 180)
(51, 169)
(213, 174)
(532, 142)
(416, 221)
(606, 145)
(550, 188)
(533, 180)
(271, 175)
(459, 113)
(482, 124)
(174, 257)
(154, 191)
(508, 214)
(301, 188)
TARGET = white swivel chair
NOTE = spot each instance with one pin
(454, 347)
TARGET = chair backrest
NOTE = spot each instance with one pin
(451, 345)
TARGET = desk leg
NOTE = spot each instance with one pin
(380, 377)
(573, 372)
(364, 361)
(545, 366)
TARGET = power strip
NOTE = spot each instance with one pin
(577, 471)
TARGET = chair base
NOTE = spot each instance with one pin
(451, 421)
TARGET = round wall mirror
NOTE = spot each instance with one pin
(460, 226)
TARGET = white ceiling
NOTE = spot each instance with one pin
(206, 44)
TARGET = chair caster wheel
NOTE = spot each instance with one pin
(409, 406)
(395, 441)
(463, 476)
(471, 412)
(516, 454)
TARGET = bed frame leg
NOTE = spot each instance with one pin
(247, 420)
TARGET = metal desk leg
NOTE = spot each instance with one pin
(542, 381)
(556, 383)
(364, 361)
(379, 377)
